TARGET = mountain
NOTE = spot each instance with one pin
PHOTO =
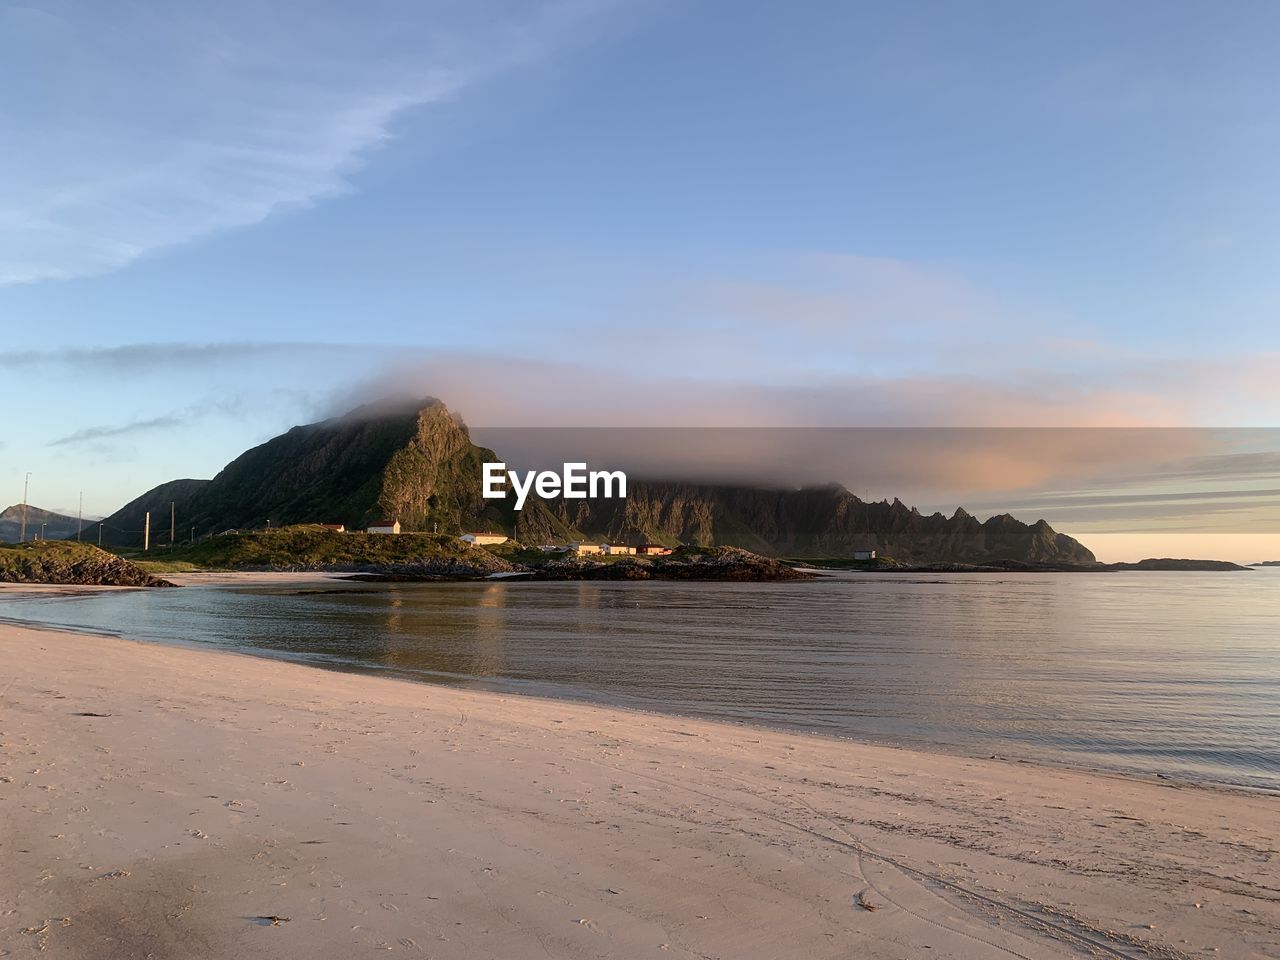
(124, 527)
(413, 463)
(57, 526)
(417, 464)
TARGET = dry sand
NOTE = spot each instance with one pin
(369, 815)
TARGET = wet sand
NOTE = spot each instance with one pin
(168, 802)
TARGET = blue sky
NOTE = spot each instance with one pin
(217, 222)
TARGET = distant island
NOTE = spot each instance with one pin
(1167, 563)
(1019, 566)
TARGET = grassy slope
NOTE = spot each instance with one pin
(306, 547)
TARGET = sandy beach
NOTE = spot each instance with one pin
(168, 802)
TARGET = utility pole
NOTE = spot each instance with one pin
(146, 533)
(41, 537)
(99, 533)
(173, 522)
(80, 518)
(193, 535)
(22, 536)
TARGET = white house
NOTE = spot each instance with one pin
(616, 549)
(483, 539)
(582, 549)
(383, 526)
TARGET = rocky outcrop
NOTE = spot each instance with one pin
(71, 563)
(715, 563)
(437, 568)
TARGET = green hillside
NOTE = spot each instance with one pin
(314, 548)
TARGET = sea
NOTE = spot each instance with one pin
(1171, 674)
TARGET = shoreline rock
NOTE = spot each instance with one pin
(77, 564)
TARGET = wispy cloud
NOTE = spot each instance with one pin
(99, 433)
(153, 357)
(132, 128)
(235, 406)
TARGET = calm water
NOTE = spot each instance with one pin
(1159, 673)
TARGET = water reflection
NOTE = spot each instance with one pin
(1171, 673)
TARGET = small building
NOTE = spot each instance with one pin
(335, 527)
(652, 550)
(864, 554)
(582, 549)
(383, 526)
(618, 549)
(483, 539)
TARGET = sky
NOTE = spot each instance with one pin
(218, 221)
